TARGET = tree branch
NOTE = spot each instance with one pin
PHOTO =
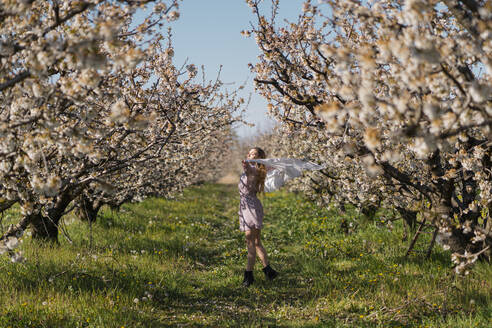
(20, 77)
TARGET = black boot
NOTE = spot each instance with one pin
(248, 278)
(269, 272)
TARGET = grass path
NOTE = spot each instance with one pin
(179, 263)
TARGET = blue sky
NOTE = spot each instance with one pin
(208, 33)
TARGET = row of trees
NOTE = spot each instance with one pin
(396, 98)
(93, 110)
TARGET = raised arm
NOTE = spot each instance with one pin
(248, 168)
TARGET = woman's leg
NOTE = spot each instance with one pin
(250, 244)
(260, 250)
(262, 254)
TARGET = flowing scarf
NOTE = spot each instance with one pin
(282, 170)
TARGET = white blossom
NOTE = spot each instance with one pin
(173, 15)
(120, 112)
(480, 93)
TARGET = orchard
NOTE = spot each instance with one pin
(98, 119)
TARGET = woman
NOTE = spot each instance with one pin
(251, 214)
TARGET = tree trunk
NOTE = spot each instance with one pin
(6, 204)
(88, 209)
(409, 217)
(369, 210)
(46, 228)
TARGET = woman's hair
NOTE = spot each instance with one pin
(260, 184)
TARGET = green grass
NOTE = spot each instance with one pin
(183, 260)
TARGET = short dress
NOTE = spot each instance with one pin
(250, 208)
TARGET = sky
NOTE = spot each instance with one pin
(208, 33)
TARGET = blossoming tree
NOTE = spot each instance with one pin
(93, 108)
(396, 97)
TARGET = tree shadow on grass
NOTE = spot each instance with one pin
(115, 272)
(215, 222)
(234, 310)
(72, 285)
(175, 248)
(46, 318)
(438, 257)
(235, 304)
(197, 250)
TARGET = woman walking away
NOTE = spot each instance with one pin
(251, 214)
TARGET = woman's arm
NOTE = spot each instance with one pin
(250, 170)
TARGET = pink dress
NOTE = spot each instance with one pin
(250, 208)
